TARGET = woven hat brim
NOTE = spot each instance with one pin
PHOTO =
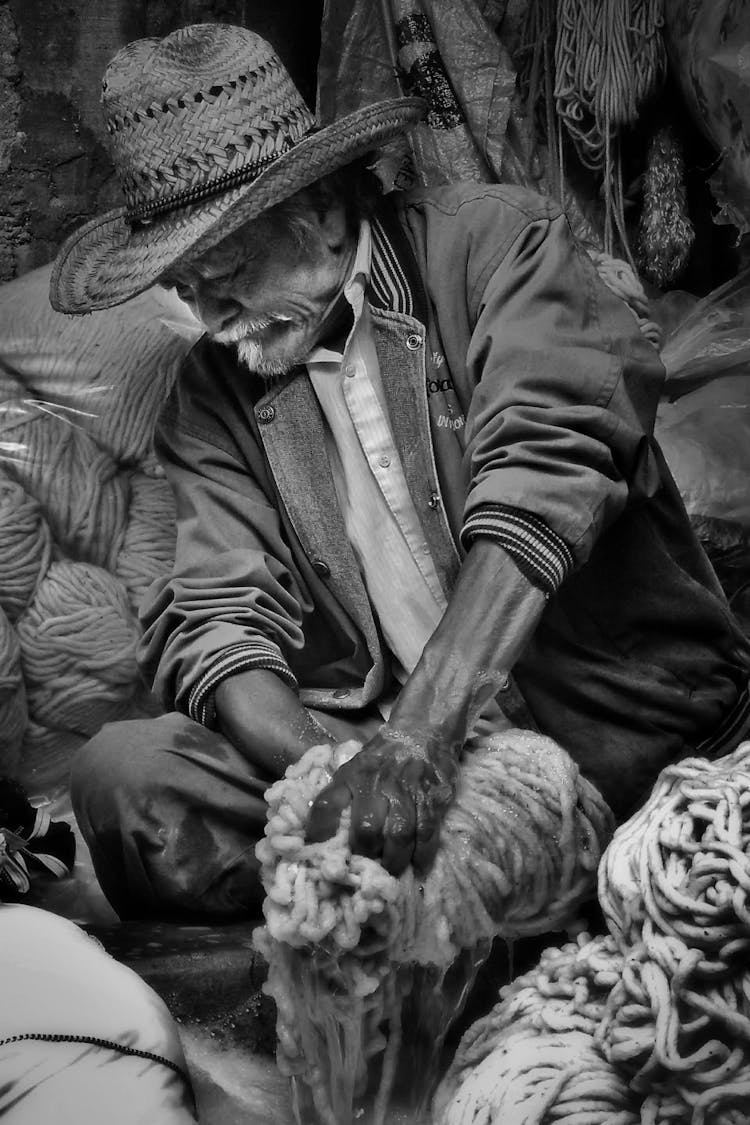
(105, 262)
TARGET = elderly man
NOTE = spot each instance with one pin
(411, 455)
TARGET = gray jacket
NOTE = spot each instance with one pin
(522, 400)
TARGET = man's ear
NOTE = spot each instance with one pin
(334, 226)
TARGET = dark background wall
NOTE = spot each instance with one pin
(54, 172)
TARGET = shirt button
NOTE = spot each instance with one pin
(265, 414)
(433, 501)
(384, 461)
(341, 693)
(350, 371)
(413, 342)
(321, 568)
(425, 550)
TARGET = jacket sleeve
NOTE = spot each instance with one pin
(231, 602)
(564, 394)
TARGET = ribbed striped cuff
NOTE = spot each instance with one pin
(238, 658)
(538, 551)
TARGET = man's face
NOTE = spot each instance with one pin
(260, 290)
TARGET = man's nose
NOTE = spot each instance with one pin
(215, 310)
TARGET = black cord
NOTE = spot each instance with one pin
(50, 1037)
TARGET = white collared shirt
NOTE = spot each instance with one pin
(381, 521)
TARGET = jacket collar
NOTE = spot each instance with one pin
(395, 282)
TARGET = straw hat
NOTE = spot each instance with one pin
(205, 129)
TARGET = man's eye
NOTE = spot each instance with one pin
(182, 289)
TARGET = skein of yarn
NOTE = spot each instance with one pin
(82, 495)
(148, 545)
(13, 711)
(110, 370)
(78, 640)
(25, 548)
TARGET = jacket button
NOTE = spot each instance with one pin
(321, 568)
(434, 501)
(341, 693)
(413, 342)
(265, 414)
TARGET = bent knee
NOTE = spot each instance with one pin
(119, 760)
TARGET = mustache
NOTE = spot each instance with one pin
(248, 326)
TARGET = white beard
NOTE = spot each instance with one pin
(250, 350)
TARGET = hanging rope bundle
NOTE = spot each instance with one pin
(589, 66)
(148, 545)
(25, 548)
(519, 848)
(83, 497)
(13, 712)
(78, 641)
(675, 890)
(609, 59)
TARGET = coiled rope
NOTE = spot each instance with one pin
(675, 891)
(532, 1059)
(519, 849)
(658, 1009)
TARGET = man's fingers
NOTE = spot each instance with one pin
(426, 832)
(326, 812)
(369, 811)
(398, 838)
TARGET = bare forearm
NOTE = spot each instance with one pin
(263, 718)
(492, 614)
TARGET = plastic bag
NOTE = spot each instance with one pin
(703, 426)
(703, 422)
(711, 340)
(82, 1038)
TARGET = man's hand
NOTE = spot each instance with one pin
(398, 792)
(400, 784)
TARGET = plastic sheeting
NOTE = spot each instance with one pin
(709, 48)
(445, 51)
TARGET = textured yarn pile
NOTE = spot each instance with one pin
(650, 1023)
(519, 852)
(86, 517)
(80, 540)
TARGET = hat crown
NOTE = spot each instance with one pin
(206, 108)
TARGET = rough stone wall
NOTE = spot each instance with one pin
(54, 171)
